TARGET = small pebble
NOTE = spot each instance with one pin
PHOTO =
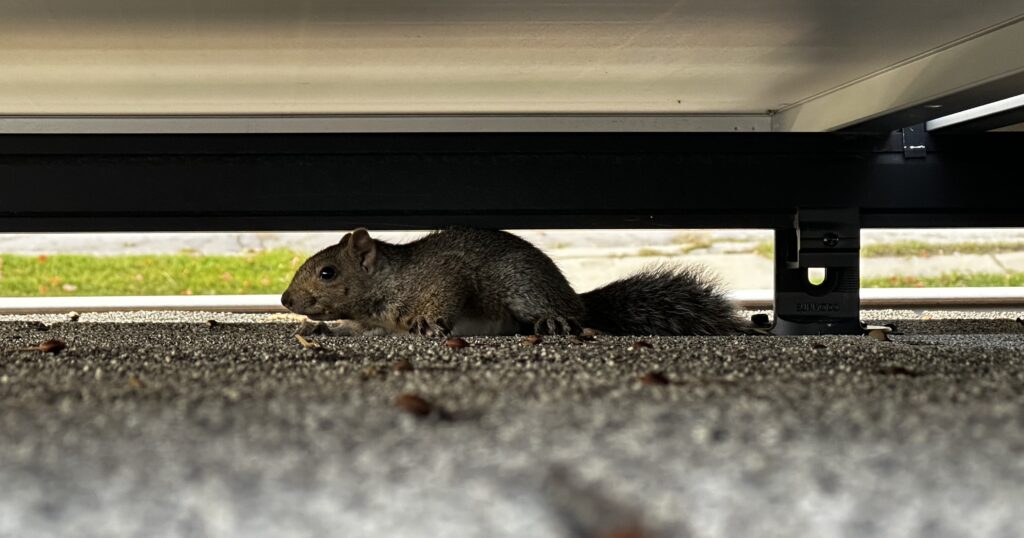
(640, 344)
(761, 320)
(73, 316)
(879, 334)
(373, 372)
(533, 340)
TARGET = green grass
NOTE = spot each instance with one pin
(651, 252)
(916, 249)
(263, 273)
(182, 274)
(691, 242)
(695, 246)
(765, 249)
(947, 280)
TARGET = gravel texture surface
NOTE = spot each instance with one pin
(161, 424)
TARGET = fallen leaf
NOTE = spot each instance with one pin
(899, 370)
(456, 343)
(654, 378)
(414, 405)
(403, 365)
(52, 346)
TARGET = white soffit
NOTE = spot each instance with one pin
(328, 58)
(407, 123)
(974, 71)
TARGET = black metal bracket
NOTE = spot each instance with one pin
(828, 239)
(915, 141)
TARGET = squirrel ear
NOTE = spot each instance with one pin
(363, 246)
(345, 238)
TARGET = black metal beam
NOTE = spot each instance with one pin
(519, 180)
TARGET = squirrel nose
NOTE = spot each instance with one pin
(297, 301)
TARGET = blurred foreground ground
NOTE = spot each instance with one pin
(163, 424)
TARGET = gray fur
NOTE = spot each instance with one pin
(663, 300)
(473, 281)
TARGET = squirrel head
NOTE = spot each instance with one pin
(334, 283)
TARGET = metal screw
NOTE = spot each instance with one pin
(831, 239)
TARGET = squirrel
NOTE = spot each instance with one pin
(468, 281)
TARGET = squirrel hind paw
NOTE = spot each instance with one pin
(425, 327)
(558, 326)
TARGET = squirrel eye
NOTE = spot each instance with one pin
(327, 272)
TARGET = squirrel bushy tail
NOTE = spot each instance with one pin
(665, 301)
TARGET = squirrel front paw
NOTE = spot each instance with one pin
(557, 326)
(425, 327)
(345, 327)
(310, 328)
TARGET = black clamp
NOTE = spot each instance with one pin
(915, 141)
(829, 240)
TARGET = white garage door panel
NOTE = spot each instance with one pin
(528, 56)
